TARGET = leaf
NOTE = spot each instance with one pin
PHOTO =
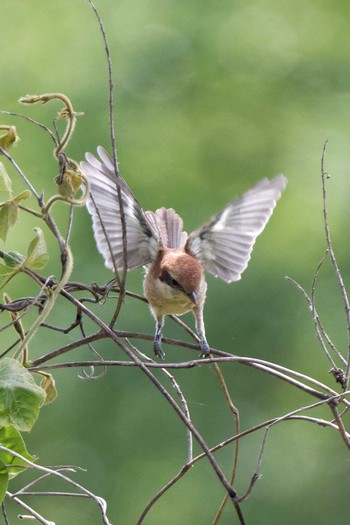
(23, 196)
(4, 481)
(5, 181)
(9, 138)
(70, 184)
(14, 259)
(12, 439)
(5, 270)
(20, 397)
(37, 256)
(48, 384)
(8, 218)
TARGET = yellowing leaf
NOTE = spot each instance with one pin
(9, 138)
(70, 184)
(5, 181)
(48, 384)
(23, 196)
(37, 256)
(8, 217)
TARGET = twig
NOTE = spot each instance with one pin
(31, 121)
(334, 262)
(319, 328)
(235, 412)
(182, 399)
(219, 446)
(29, 509)
(115, 162)
(18, 169)
(144, 368)
(4, 514)
(99, 501)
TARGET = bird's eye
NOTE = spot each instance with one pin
(174, 282)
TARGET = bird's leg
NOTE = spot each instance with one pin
(205, 348)
(158, 338)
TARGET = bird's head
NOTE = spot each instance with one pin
(181, 272)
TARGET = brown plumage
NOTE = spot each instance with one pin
(175, 262)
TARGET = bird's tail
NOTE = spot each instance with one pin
(168, 225)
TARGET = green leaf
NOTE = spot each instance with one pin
(48, 384)
(5, 270)
(5, 181)
(37, 255)
(8, 218)
(20, 397)
(14, 259)
(4, 481)
(12, 439)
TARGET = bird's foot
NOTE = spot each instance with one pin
(158, 350)
(205, 350)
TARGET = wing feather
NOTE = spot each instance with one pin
(225, 243)
(142, 240)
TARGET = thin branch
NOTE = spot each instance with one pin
(334, 262)
(25, 506)
(182, 399)
(319, 328)
(18, 169)
(340, 424)
(144, 368)
(99, 501)
(259, 364)
(31, 121)
(235, 412)
(4, 514)
(186, 468)
(115, 162)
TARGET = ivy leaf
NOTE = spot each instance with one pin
(48, 384)
(37, 256)
(5, 181)
(12, 439)
(20, 397)
(8, 218)
(4, 480)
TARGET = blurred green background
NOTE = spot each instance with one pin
(210, 98)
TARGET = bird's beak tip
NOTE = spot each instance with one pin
(193, 297)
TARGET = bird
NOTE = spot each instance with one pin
(175, 262)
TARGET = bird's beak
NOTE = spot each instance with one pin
(193, 297)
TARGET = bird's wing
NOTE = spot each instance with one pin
(225, 243)
(142, 240)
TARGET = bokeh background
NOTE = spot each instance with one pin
(210, 98)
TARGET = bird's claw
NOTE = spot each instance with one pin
(158, 351)
(205, 350)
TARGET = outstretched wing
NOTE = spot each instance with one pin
(225, 243)
(142, 241)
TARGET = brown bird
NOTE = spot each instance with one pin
(174, 261)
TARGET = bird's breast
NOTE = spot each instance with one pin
(164, 300)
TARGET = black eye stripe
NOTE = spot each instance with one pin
(165, 277)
